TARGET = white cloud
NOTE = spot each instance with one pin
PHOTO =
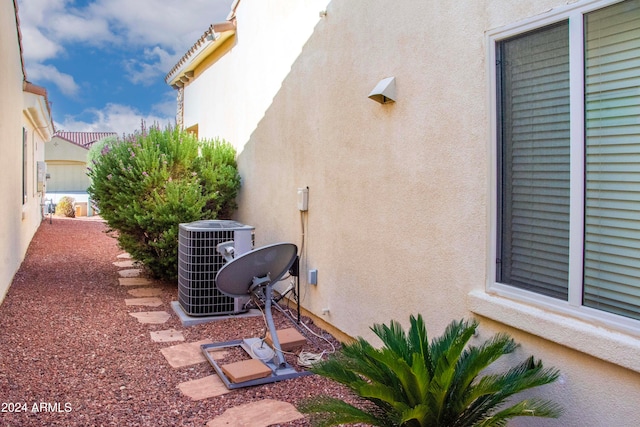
(164, 29)
(40, 47)
(168, 106)
(167, 23)
(121, 119)
(138, 24)
(155, 34)
(48, 73)
(67, 27)
(47, 25)
(153, 64)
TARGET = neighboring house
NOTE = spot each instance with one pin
(501, 184)
(66, 158)
(25, 127)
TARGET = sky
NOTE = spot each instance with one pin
(103, 62)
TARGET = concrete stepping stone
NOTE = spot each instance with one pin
(154, 317)
(181, 355)
(149, 301)
(124, 255)
(203, 388)
(167, 336)
(145, 292)
(135, 281)
(125, 264)
(262, 413)
(132, 272)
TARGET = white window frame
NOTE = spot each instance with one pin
(566, 322)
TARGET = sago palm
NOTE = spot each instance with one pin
(410, 381)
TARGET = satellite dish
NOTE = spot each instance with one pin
(255, 272)
(260, 267)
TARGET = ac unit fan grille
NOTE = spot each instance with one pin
(198, 264)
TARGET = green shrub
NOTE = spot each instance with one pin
(413, 382)
(65, 207)
(146, 184)
(95, 151)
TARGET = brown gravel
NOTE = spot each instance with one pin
(68, 342)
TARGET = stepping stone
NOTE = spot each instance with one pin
(290, 339)
(125, 264)
(262, 413)
(245, 370)
(167, 336)
(132, 272)
(135, 281)
(154, 317)
(145, 292)
(124, 255)
(187, 354)
(203, 388)
(150, 301)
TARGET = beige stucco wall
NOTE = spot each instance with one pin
(267, 28)
(37, 122)
(67, 166)
(18, 220)
(399, 194)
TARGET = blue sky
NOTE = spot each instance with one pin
(103, 62)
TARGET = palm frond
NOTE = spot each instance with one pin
(394, 338)
(493, 390)
(454, 339)
(327, 411)
(418, 415)
(362, 358)
(470, 364)
(528, 374)
(446, 351)
(419, 341)
(337, 369)
(524, 408)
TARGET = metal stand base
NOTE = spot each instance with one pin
(279, 372)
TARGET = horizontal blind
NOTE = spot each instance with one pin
(534, 202)
(612, 198)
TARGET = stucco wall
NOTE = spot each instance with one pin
(62, 150)
(17, 221)
(38, 135)
(268, 28)
(398, 194)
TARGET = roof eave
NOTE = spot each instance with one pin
(210, 41)
(38, 109)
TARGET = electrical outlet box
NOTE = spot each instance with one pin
(313, 277)
(303, 199)
(42, 175)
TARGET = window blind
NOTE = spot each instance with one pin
(612, 193)
(534, 162)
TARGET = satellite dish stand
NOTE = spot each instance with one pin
(251, 273)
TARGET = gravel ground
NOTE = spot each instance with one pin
(69, 346)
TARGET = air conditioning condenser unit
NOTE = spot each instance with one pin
(199, 262)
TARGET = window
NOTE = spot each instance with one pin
(24, 166)
(568, 159)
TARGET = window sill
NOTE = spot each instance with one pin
(605, 344)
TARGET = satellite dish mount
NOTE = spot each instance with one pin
(255, 272)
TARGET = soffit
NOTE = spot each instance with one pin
(207, 44)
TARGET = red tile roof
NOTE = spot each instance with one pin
(83, 139)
